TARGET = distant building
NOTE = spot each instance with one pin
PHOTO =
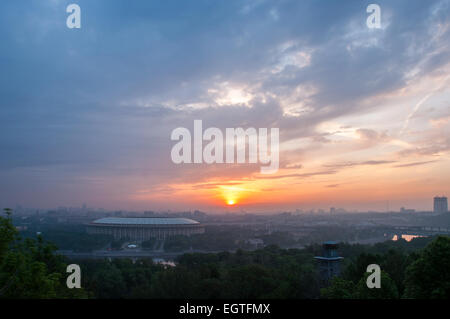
(405, 210)
(330, 263)
(440, 205)
(255, 242)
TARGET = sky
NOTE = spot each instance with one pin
(87, 114)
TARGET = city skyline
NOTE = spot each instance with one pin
(438, 206)
(363, 114)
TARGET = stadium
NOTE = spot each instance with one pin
(140, 229)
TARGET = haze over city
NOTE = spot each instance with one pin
(363, 114)
(215, 158)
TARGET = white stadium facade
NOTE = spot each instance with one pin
(141, 229)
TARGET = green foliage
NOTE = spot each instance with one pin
(214, 239)
(358, 267)
(428, 276)
(387, 290)
(29, 268)
(279, 238)
(405, 273)
(265, 273)
(249, 281)
(339, 289)
(394, 263)
(177, 243)
(346, 289)
(8, 233)
(70, 237)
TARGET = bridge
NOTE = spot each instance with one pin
(421, 230)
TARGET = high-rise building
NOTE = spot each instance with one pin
(440, 204)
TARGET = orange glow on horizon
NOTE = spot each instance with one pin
(231, 202)
(349, 187)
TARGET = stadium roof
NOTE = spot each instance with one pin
(145, 221)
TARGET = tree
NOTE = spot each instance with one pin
(356, 269)
(388, 289)
(339, 289)
(250, 281)
(30, 269)
(394, 262)
(428, 276)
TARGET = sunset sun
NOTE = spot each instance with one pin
(231, 202)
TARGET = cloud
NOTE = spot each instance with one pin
(293, 166)
(415, 164)
(352, 164)
(96, 106)
(303, 175)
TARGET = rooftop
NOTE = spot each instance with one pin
(145, 221)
